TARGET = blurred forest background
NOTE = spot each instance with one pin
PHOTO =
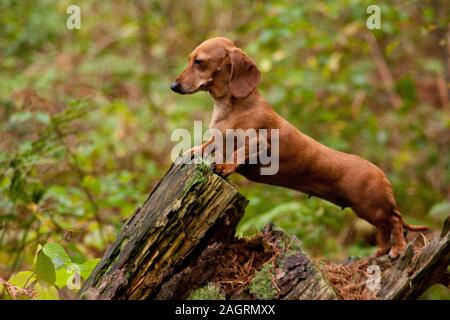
(86, 117)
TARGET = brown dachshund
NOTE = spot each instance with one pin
(231, 78)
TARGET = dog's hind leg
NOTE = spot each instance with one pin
(399, 242)
(380, 220)
(383, 240)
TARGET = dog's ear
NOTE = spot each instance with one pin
(244, 75)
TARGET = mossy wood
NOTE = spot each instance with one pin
(189, 208)
(296, 276)
(181, 238)
(293, 274)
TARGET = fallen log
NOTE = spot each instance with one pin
(422, 265)
(180, 244)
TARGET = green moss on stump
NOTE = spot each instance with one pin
(208, 292)
(261, 285)
(200, 177)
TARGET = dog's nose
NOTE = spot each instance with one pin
(176, 87)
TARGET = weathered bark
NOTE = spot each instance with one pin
(182, 238)
(419, 267)
(295, 274)
(190, 208)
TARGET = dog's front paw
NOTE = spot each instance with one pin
(224, 169)
(193, 151)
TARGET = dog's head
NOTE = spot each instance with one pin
(219, 67)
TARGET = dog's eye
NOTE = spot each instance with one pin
(197, 61)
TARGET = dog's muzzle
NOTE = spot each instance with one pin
(176, 87)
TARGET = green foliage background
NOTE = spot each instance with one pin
(86, 116)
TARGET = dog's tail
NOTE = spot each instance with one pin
(414, 228)
(410, 227)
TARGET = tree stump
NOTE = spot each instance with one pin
(190, 208)
(181, 242)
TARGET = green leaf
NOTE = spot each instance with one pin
(38, 249)
(69, 276)
(22, 279)
(87, 267)
(62, 275)
(57, 253)
(45, 292)
(92, 183)
(42, 117)
(19, 117)
(440, 210)
(45, 270)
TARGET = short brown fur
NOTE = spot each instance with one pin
(231, 78)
